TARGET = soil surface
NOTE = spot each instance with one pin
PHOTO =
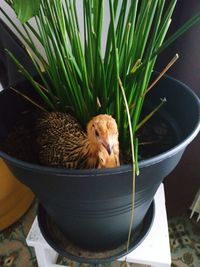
(21, 141)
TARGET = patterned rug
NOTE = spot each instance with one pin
(13, 249)
(184, 236)
(184, 240)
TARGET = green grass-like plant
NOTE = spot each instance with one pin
(81, 76)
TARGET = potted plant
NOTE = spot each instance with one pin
(94, 207)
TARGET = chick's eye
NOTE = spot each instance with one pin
(96, 133)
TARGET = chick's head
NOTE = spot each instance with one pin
(102, 130)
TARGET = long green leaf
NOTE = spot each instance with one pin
(26, 9)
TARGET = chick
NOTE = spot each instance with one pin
(63, 143)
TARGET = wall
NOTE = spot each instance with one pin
(184, 182)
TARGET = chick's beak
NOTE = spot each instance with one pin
(108, 147)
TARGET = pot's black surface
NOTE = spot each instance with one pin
(92, 207)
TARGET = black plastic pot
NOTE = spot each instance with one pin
(92, 207)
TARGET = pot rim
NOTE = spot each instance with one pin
(123, 168)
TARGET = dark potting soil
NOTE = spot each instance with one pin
(21, 141)
(155, 137)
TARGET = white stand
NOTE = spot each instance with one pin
(153, 251)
